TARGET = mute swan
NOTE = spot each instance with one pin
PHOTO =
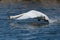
(32, 15)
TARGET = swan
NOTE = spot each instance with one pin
(32, 15)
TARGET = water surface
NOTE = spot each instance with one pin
(10, 30)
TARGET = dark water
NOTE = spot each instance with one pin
(10, 30)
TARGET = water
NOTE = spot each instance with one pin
(10, 30)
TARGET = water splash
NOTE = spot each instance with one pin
(54, 20)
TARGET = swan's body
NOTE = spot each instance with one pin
(33, 16)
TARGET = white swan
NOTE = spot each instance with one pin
(30, 14)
